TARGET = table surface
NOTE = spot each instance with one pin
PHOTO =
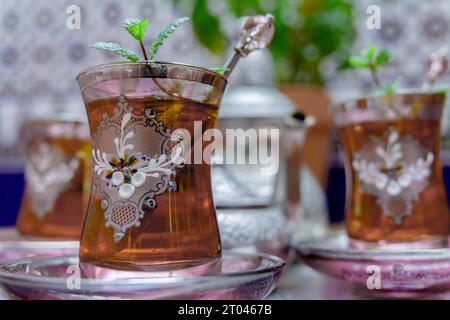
(300, 282)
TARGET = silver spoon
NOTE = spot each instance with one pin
(257, 33)
(437, 67)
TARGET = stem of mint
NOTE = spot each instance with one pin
(375, 79)
(144, 52)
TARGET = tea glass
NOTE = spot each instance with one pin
(57, 177)
(395, 191)
(151, 204)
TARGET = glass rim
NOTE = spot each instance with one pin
(149, 69)
(340, 250)
(399, 105)
(406, 92)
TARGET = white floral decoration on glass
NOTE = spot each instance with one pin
(127, 171)
(48, 174)
(395, 175)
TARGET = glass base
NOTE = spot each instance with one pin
(281, 251)
(194, 267)
(424, 243)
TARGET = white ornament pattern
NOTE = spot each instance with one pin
(130, 181)
(48, 173)
(127, 172)
(396, 172)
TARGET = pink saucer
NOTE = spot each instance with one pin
(384, 272)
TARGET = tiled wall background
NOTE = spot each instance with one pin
(35, 43)
(40, 55)
(410, 29)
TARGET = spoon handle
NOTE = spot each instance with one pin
(257, 33)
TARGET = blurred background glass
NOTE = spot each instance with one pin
(40, 58)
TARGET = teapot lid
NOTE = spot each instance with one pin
(255, 102)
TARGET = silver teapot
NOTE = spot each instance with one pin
(258, 203)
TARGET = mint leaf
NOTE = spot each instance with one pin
(358, 62)
(163, 35)
(137, 28)
(372, 59)
(382, 58)
(219, 70)
(116, 48)
(369, 52)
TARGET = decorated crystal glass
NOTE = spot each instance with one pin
(394, 173)
(395, 190)
(57, 177)
(151, 204)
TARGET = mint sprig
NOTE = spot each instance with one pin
(116, 48)
(137, 28)
(164, 34)
(372, 59)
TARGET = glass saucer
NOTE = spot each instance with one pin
(384, 272)
(235, 276)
